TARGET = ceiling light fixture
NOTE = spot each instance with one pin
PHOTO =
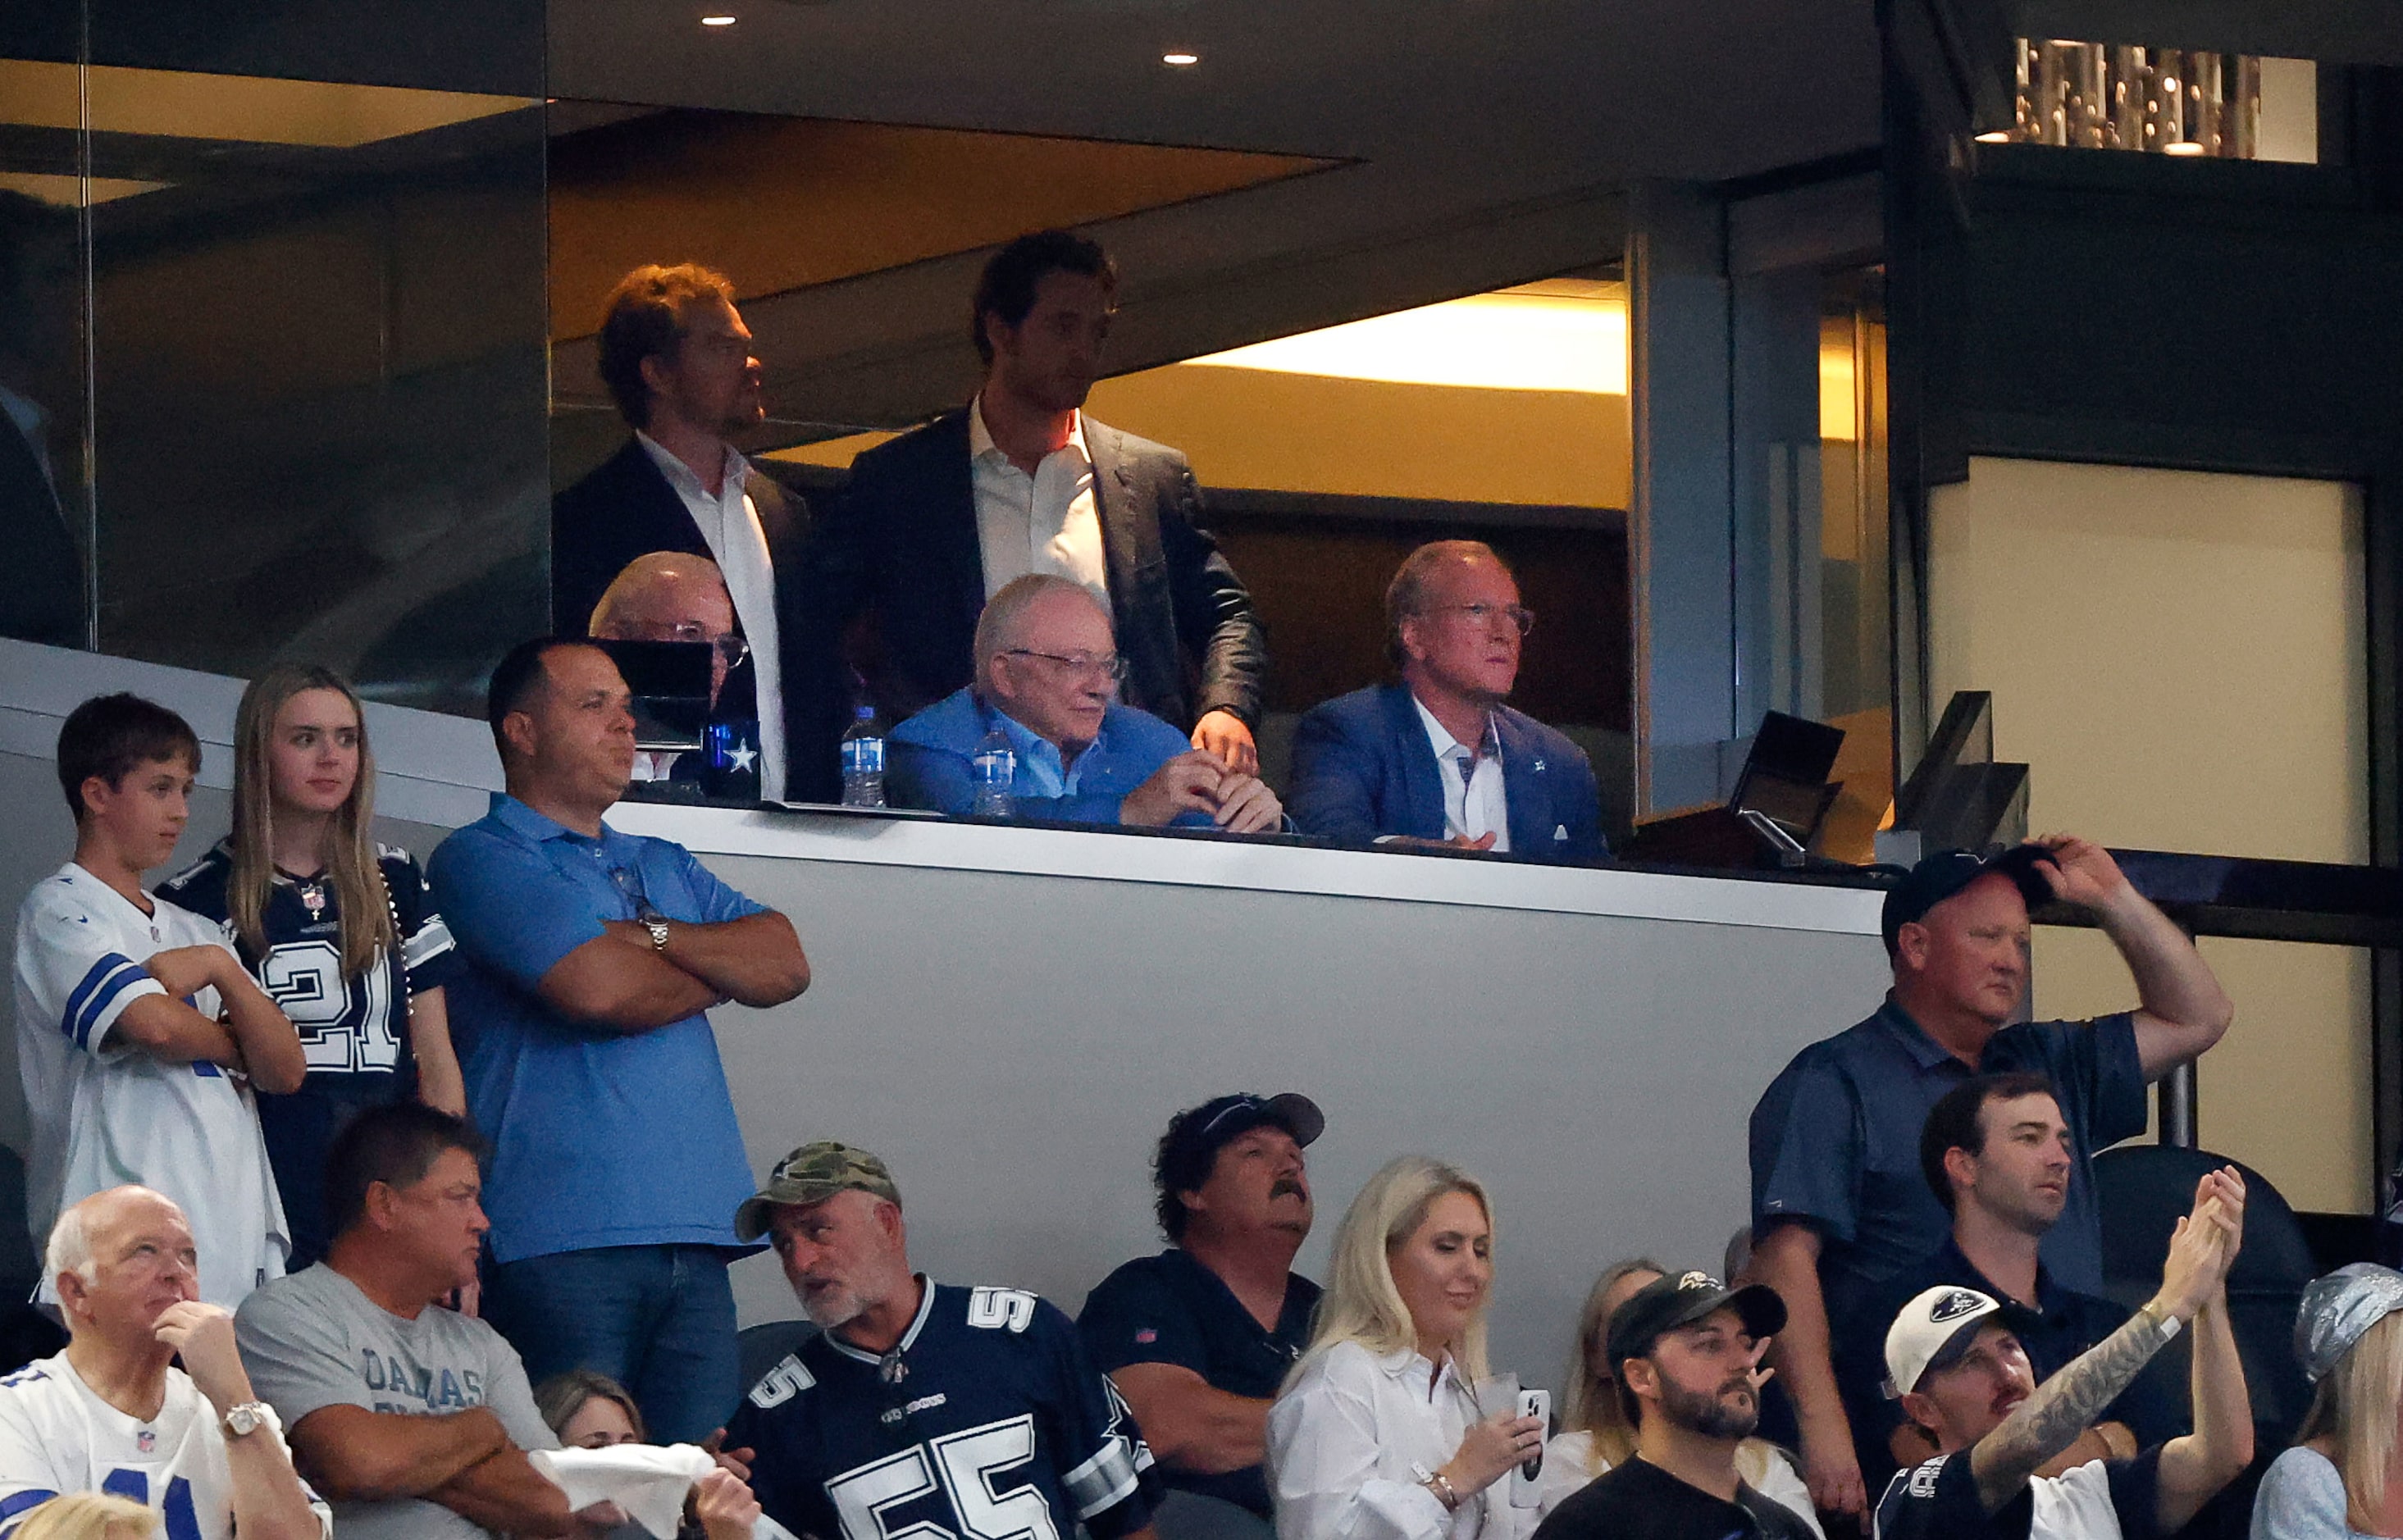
(2183, 146)
(1180, 59)
(717, 21)
(2000, 136)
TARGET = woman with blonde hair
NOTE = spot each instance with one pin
(589, 1411)
(337, 928)
(1595, 1435)
(88, 1516)
(1380, 1433)
(2341, 1479)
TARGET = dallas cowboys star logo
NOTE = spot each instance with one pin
(743, 756)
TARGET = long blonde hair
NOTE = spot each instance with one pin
(1590, 1403)
(350, 868)
(2355, 1410)
(89, 1516)
(1362, 1304)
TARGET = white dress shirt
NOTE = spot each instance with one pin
(731, 526)
(1570, 1464)
(1349, 1439)
(1049, 521)
(1474, 800)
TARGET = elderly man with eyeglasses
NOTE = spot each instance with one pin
(1047, 678)
(1438, 760)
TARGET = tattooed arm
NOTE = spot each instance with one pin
(2065, 1405)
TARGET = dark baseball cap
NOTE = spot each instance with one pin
(1680, 1299)
(1196, 1136)
(1939, 876)
(812, 1174)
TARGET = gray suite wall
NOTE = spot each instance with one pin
(1012, 1045)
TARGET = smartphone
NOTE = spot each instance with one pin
(1527, 1480)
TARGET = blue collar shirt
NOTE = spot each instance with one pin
(599, 1138)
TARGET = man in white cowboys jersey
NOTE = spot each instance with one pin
(1960, 1375)
(924, 1410)
(112, 1414)
(138, 1033)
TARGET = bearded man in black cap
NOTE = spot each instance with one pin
(1686, 1351)
(1839, 1201)
(1200, 1336)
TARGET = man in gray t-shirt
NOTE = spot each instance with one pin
(382, 1391)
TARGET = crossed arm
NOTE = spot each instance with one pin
(254, 1036)
(465, 1462)
(1190, 1424)
(619, 981)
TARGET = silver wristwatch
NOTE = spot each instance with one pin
(248, 1418)
(658, 927)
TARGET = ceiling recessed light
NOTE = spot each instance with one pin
(1180, 60)
(717, 21)
(2183, 146)
(2000, 136)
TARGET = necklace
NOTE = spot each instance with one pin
(312, 894)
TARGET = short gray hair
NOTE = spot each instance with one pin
(69, 1247)
(1406, 595)
(997, 628)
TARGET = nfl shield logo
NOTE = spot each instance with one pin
(146, 1440)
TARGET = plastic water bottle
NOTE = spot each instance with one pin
(996, 770)
(863, 761)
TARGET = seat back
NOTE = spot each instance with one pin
(2143, 1191)
(1192, 1516)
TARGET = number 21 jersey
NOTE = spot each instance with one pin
(988, 1421)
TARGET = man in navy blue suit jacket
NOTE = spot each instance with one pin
(1438, 759)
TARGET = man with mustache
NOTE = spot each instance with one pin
(923, 1408)
(1839, 1201)
(1200, 1337)
(1687, 1353)
(1998, 1154)
(1960, 1374)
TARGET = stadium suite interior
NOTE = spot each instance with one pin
(1784, 387)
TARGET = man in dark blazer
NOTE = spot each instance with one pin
(676, 357)
(1437, 760)
(44, 598)
(938, 519)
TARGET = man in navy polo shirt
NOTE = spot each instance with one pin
(590, 1062)
(1839, 1201)
(1200, 1337)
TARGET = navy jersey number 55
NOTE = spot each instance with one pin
(987, 1423)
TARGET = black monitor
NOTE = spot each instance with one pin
(670, 681)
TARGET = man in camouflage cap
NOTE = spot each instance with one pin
(992, 1385)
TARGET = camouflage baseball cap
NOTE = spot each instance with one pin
(812, 1174)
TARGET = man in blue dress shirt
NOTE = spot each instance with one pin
(1046, 676)
(590, 1062)
(1437, 760)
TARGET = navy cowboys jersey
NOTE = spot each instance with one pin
(354, 1031)
(987, 1423)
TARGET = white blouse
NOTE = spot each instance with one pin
(1351, 1439)
(1569, 1464)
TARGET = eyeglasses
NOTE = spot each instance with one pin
(1113, 664)
(1483, 616)
(731, 649)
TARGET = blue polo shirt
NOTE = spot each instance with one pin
(599, 1138)
(1835, 1140)
(929, 762)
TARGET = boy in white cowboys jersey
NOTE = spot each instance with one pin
(138, 1033)
(924, 1410)
(1960, 1375)
(112, 1414)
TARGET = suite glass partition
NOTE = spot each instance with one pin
(299, 410)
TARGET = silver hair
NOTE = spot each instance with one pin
(997, 628)
(1406, 595)
(69, 1249)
